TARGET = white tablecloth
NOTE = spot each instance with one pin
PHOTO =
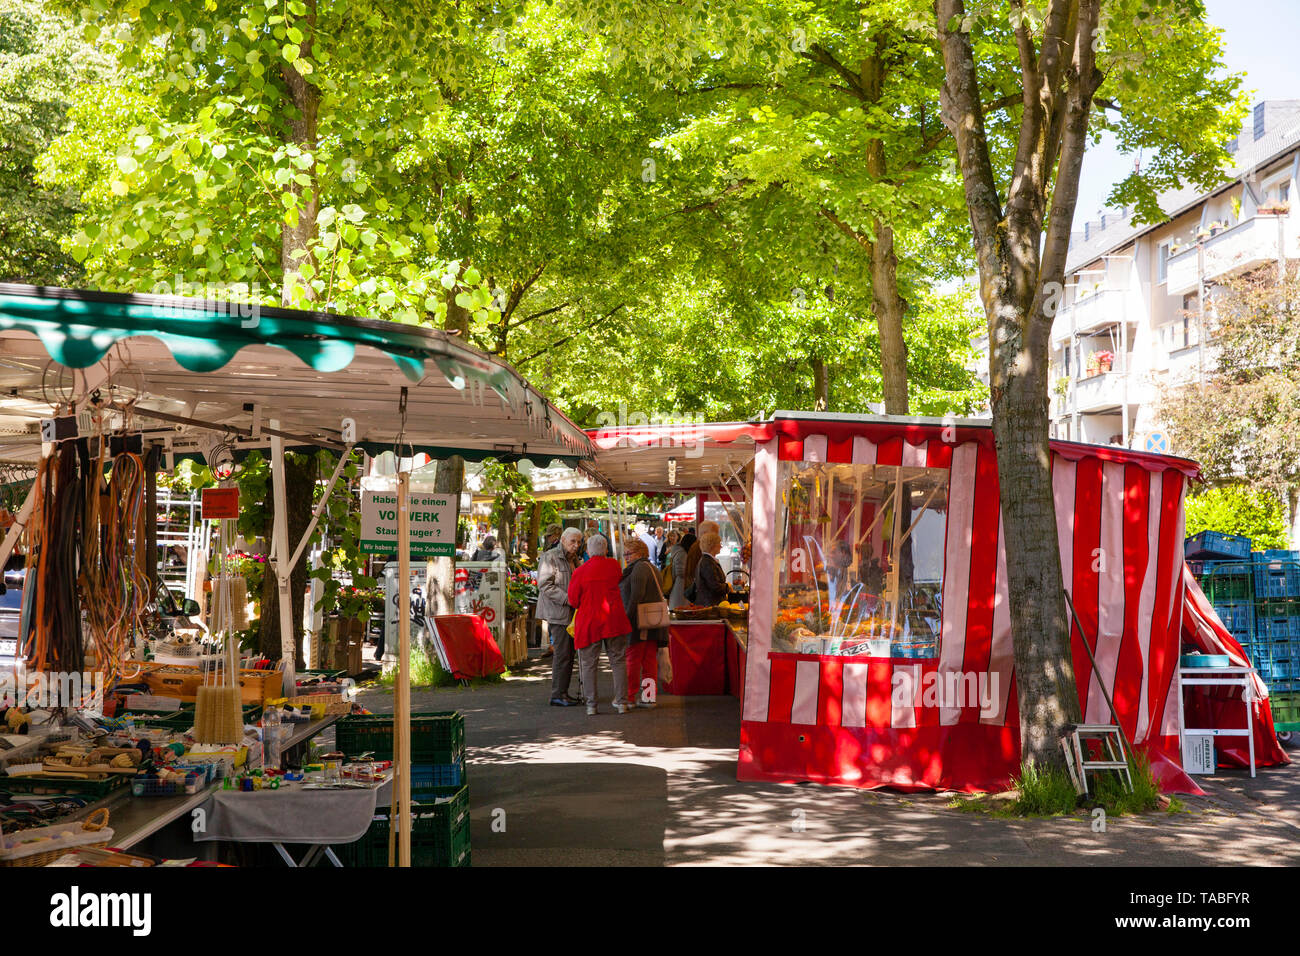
(292, 814)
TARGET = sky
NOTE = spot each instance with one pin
(1259, 40)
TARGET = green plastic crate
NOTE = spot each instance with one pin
(1286, 710)
(436, 737)
(92, 789)
(440, 836)
(1230, 586)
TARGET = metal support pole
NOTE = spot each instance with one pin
(402, 728)
(283, 568)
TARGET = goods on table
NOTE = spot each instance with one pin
(692, 612)
(41, 845)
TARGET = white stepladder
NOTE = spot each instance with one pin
(1111, 744)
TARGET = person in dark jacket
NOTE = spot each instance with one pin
(487, 551)
(640, 585)
(710, 579)
(693, 551)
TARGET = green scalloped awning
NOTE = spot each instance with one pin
(79, 328)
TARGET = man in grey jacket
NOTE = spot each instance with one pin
(553, 573)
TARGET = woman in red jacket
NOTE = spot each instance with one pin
(600, 622)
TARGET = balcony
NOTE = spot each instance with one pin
(1098, 310)
(1245, 246)
(1100, 392)
(1062, 326)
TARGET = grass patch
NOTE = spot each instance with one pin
(427, 671)
(1049, 792)
(1044, 792)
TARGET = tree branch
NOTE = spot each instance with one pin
(558, 342)
(853, 234)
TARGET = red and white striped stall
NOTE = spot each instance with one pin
(947, 718)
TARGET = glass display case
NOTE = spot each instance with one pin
(859, 560)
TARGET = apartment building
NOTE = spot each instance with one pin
(1133, 319)
(1133, 316)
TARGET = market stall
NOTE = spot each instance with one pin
(879, 641)
(106, 387)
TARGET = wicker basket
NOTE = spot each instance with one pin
(27, 847)
(334, 703)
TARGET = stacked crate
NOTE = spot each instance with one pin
(1257, 596)
(439, 788)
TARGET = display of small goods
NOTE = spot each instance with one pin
(695, 612)
(808, 622)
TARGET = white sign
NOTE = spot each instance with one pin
(433, 523)
(481, 590)
(1198, 754)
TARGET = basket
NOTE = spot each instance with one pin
(333, 703)
(696, 613)
(437, 737)
(41, 845)
(440, 835)
(145, 786)
(62, 783)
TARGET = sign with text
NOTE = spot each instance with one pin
(220, 503)
(433, 523)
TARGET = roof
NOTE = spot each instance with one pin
(636, 459)
(170, 358)
(1252, 156)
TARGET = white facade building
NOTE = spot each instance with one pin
(1130, 323)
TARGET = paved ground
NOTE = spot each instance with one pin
(551, 786)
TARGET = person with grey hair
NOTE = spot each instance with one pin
(710, 580)
(554, 572)
(600, 622)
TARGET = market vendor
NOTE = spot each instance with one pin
(710, 580)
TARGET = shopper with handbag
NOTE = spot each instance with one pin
(600, 622)
(643, 600)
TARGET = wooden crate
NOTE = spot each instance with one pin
(183, 684)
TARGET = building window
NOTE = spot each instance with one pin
(1259, 121)
(1162, 262)
(1284, 191)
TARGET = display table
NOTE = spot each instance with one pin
(698, 651)
(135, 819)
(292, 814)
(1219, 677)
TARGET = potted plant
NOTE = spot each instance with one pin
(1274, 207)
(1104, 361)
(1094, 368)
(1202, 234)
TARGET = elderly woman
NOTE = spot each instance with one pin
(710, 579)
(600, 622)
(640, 585)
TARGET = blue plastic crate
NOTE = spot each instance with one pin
(1236, 616)
(1211, 543)
(1275, 629)
(1275, 554)
(433, 776)
(1277, 579)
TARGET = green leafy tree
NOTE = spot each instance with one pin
(43, 59)
(1155, 67)
(1243, 421)
(1238, 509)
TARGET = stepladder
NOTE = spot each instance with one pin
(1092, 748)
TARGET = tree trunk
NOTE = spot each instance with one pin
(450, 480)
(305, 97)
(1017, 268)
(534, 529)
(1045, 683)
(299, 489)
(821, 386)
(889, 320)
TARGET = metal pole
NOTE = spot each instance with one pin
(402, 728)
(283, 569)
